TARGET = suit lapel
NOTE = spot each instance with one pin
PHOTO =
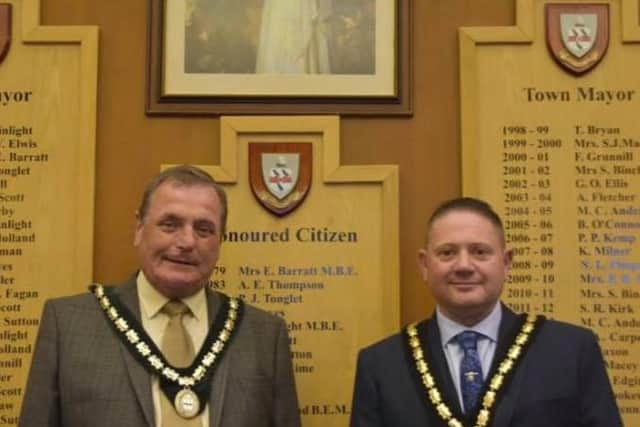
(504, 411)
(440, 369)
(140, 378)
(505, 329)
(219, 380)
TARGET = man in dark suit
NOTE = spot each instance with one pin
(475, 362)
(129, 355)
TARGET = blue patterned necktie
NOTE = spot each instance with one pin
(470, 370)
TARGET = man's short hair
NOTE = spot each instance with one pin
(186, 175)
(467, 204)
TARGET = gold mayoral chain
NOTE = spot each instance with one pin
(489, 398)
(186, 387)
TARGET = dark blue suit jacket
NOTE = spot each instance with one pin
(561, 381)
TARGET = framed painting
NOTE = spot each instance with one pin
(347, 57)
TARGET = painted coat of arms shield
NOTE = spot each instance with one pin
(280, 175)
(577, 34)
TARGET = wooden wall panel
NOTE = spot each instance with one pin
(131, 147)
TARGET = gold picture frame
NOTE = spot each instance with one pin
(189, 73)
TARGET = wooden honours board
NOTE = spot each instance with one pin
(551, 137)
(329, 265)
(47, 140)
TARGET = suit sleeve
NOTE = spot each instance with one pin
(285, 410)
(365, 408)
(598, 405)
(41, 403)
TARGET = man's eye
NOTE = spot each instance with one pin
(205, 231)
(481, 252)
(445, 253)
(168, 225)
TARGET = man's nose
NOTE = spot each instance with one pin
(464, 262)
(186, 237)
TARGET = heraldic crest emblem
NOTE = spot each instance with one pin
(577, 34)
(280, 175)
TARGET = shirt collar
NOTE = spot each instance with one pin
(152, 301)
(488, 326)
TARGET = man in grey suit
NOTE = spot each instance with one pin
(475, 362)
(128, 355)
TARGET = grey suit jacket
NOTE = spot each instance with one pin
(561, 381)
(82, 375)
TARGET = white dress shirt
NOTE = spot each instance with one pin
(487, 327)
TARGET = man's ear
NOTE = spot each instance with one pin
(137, 233)
(507, 259)
(422, 263)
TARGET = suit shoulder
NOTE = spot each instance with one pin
(86, 299)
(390, 344)
(395, 341)
(555, 334)
(566, 329)
(80, 301)
(252, 310)
(389, 353)
(258, 315)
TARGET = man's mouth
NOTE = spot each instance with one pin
(181, 261)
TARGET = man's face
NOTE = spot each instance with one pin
(465, 264)
(178, 241)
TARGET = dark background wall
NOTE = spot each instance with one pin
(131, 146)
